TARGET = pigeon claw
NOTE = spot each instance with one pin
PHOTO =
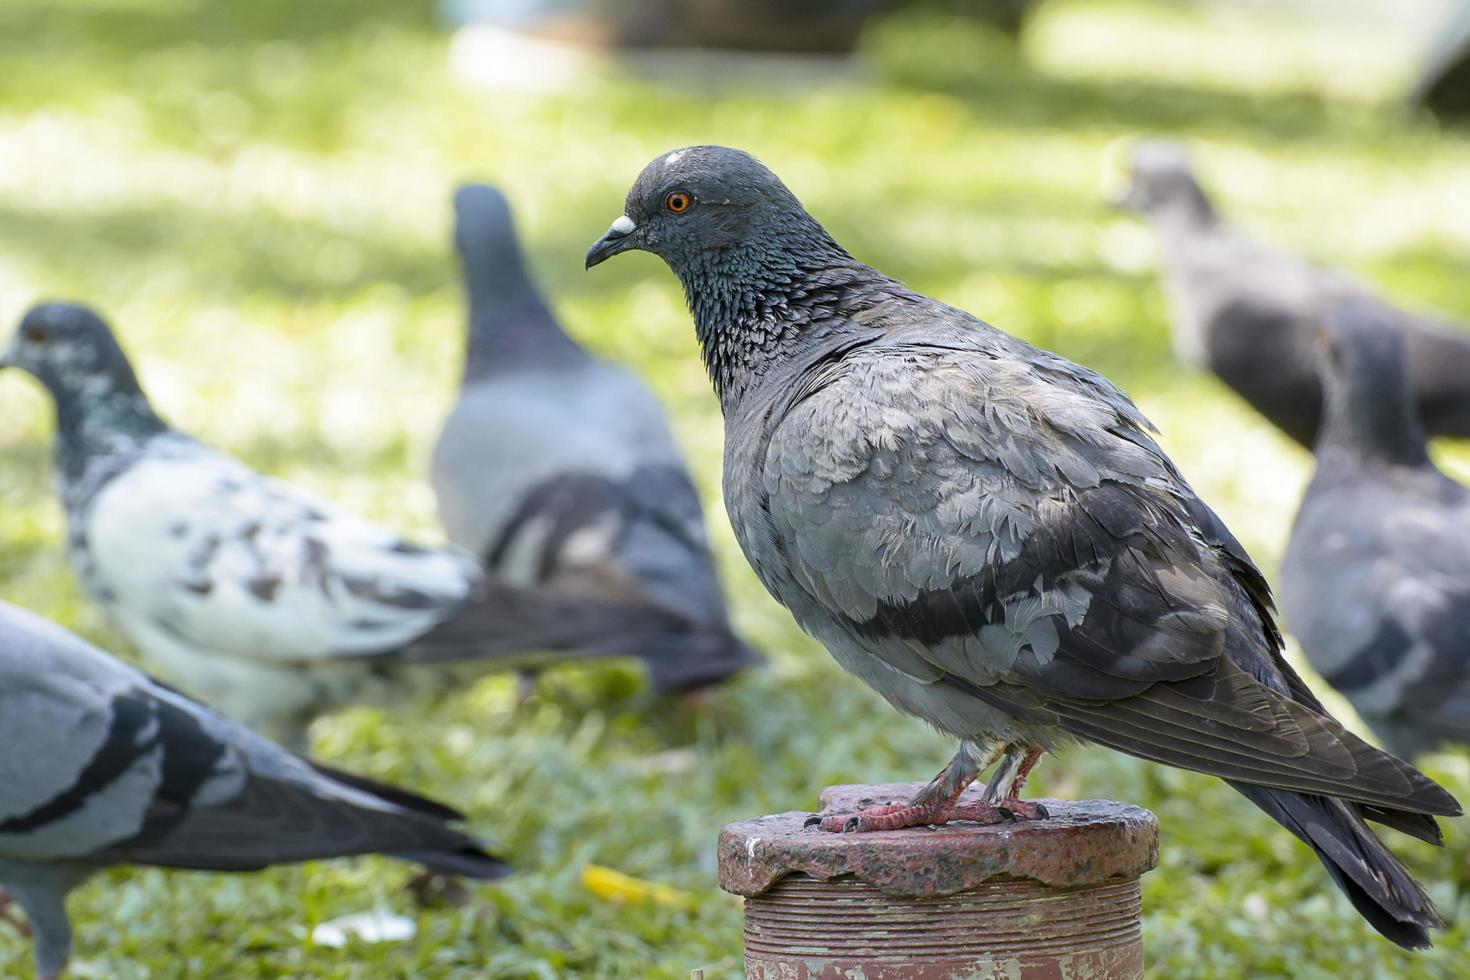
(1012, 810)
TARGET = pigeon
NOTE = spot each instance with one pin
(270, 604)
(559, 470)
(990, 537)
(1376, 581)
(106, 766)
(1248, 313)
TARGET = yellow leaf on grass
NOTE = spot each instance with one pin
(614, 886)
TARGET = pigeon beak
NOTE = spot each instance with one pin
(619, 238)
(10, 358)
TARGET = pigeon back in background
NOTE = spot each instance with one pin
(559, 469)
(104, 766)
(989, 536)
(1376, 579)
(1248, 312)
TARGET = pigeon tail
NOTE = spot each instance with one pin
(1377, 884)
(504, 621)
(457, 854)
(467, 861)
(677, 664)
(402, 798)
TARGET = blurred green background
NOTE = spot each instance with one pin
(257, 195)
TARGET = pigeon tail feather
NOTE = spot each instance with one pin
(392, 794)
(506, 620)
(469, 861)
(1378, 885)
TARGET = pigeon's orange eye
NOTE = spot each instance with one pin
(678, 202)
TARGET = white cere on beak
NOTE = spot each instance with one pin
(623, 226)
(673, 158)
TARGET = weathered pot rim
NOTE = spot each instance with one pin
(1082, 842)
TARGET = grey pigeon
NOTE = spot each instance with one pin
(1248, 312)
(104, 766)
(267, 602)
(1376, 582)
(558, 468)
(990, 537)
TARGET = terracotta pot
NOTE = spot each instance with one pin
(1032, 900)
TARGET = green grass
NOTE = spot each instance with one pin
(256, 193)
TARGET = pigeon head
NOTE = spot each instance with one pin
(73, 353)
(1368, 402)
(757, 269)
(68, 347)
(484, 232)
(1162, 182)
(510, 325)
(485, 236)
(708, 209)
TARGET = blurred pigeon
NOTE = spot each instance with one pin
(270, 604)
(1376, 582)
(559, 468)
(105, 766)
(1248, 312)
(989, 536)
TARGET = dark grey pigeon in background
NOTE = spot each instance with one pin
(271, 604)
(1376, 582)
(559, 469)
(1248, 312)
(989, 536)
(103, 766)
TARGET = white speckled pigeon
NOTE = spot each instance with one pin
(267, 602)
(1376, 582)
(104, 766)
(559, 469)
(988, 535)
(1248, 312)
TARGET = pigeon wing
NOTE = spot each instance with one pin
(1005, 527)
(1376, 580)
(82, 765)
(190, 543)
(233, 801)
(108, 766)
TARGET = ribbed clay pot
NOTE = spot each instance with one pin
(1031, 900)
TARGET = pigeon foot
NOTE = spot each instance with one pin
(939, 802)
(899, 816)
